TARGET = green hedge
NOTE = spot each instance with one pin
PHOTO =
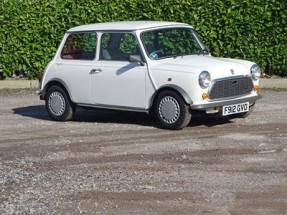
(249, 29)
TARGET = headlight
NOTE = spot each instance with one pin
(255, 72)
(204, 79)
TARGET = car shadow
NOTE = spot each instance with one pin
(110, 116)
(113, 116)
(37, 112)
(208, 121)
(90, 115)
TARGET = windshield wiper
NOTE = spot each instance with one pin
(179, 55)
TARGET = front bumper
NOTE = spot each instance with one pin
(223, 103)
(41, 96)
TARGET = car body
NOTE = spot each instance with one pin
(147, 66)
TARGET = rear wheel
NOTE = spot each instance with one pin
(58, 104)
(171, 110)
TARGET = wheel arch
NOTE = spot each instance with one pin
(56, 82)
(173, 88)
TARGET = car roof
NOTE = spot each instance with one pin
(126, 26)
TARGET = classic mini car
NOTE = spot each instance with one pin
(162, 68)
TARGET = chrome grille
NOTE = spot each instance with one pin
(234, 87)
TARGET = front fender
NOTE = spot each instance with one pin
(176, 88)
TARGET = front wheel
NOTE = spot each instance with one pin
(171, 110)
(58, 104)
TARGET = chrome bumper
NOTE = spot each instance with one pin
(223, 103)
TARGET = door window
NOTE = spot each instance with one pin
(118, 46)
(80, 46)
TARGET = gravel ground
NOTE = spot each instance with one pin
(121, 163)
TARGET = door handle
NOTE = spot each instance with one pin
(94, 71)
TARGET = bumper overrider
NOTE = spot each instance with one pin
(219, 104)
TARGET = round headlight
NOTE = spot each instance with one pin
(204, 79)
(255, 72)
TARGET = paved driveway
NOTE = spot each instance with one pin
(121, 163)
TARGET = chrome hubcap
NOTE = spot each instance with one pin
(57, 103)
(169, 110)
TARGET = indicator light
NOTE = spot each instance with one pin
(204, 96)
(256, 88)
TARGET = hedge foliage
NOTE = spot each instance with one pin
(249, 29)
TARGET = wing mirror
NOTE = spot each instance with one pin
(136, 59)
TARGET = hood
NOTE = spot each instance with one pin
(217, 67)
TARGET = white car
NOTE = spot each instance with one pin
(147, 66)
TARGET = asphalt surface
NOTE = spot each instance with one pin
(122, 163)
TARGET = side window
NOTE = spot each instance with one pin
(80, 46)
(150, 41)
(128, 44)
(118, 46)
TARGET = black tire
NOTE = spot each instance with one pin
(243, 115)
(171, 110)
(58, 104)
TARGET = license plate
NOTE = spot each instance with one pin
(234, 109)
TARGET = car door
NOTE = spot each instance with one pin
(115, 80)
(73, 66)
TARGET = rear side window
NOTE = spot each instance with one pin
(81, 46)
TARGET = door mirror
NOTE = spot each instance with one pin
(136, 59)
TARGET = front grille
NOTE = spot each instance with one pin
(231, 87)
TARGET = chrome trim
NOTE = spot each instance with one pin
(226, 79)
(223, 103)
(232, 77)
(254, 71)
(112, 107)
(231, 97)
(200, 79)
